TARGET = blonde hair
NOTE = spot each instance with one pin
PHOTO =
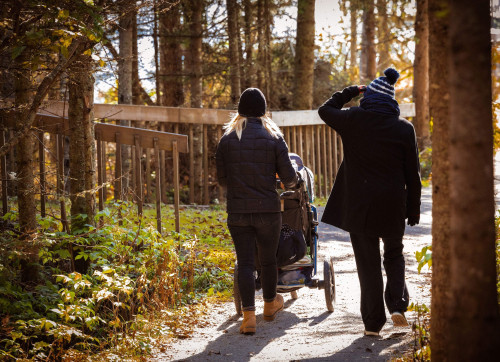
(239, 122)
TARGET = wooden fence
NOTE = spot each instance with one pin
(305, 133)
(140, 139)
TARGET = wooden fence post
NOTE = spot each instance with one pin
(206, 192)
(324, 159)
(300, 149)
(335, 154)
(138, 174)
(220, 188)
(175, 153)
(99, 173)
(60, 178)
(318, 159)
(158, 184)
(330, 158)
(191, 164)
(41, 164)
(3, 166)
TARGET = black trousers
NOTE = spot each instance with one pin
(367, 255)
(259, 231)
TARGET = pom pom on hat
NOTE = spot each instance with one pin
(392, 75)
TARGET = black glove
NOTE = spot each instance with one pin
(413, 219)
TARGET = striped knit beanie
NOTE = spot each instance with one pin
(384, 85)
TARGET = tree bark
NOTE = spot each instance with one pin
(354, 73)
(473, 308)
(421, 76)
(439, 111)
(125, 82)
(194, 14)
(171, 84)
(82, 148)
(261, 79)
(368, 66)
(249, 64)
(304, 57)
(234, 64)
(268, 72)
(384, 37)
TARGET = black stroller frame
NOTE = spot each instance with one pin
(304, 272)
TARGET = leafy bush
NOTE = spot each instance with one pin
(134, 274)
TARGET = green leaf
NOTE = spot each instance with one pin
(17, 51)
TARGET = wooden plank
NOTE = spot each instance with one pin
(138, 174)
(307, 158)
(99, 171)
(191, 164)
(324, 159)
(300, 140)
(147, 197)
(41, 163)
(313, 152)
(157, 166)
(335, 154)
(118, 168)
(220, 188)
(194, 115)
(53, 124)
(330, 158)
(206, 191)
(318, 159)
(176, 186)
(3, 172)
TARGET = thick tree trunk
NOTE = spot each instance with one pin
(439, 111)
(368, 66)
(171, 84)
(25, 179)
(82, 149)
(125, 83)
(268, 72)
(136, 84)
(24, 151)
(249, 64)
(194, 20)
(304, 57)
(354, 71)
(473, 308)
(384, 37)
(234, 64)
(421, 76)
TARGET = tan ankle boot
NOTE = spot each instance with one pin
(249, 324)
(272, 308)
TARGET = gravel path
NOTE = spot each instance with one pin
(305, 330)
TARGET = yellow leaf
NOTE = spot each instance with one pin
(87, 52)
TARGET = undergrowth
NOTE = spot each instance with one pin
(139, 285)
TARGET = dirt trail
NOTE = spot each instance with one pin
(305, 330)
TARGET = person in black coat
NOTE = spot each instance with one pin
(249, 155)
(377, 187)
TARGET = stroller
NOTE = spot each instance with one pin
(297, 250)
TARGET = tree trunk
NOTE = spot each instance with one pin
(268, 72)
(473, 308)
(354, 71)
(24, 151)
(194, 14)
(368, 67)
(234, 64)
(136, 84)
(304, 57)
(82, 149)
(421, 76)
(171, 84)
(261, 79)
(25, 179)
(384, 37)
(439, 111)
(125, 82)
(249, 64)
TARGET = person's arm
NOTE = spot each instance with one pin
(286, 172)
(413, 182)
(331, 111)
(219, 160)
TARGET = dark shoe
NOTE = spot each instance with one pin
(249, 324)
(399, 319)
(272, 308)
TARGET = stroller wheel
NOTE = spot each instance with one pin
(329, 284)
(236, 292)
(294, 294)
